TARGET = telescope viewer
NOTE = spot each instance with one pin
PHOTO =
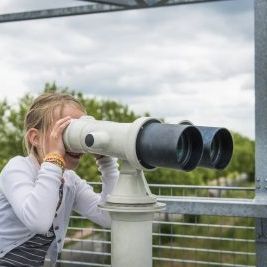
(147, 143)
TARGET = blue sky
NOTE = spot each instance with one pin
(193, 62)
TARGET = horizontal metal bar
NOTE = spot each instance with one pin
(91, 9)
(80, 263)
(122, 3)
(86, 240)
(58, 12)
(176, 236)
(87, 252)
(147, 3)
(183, 237)
(241, 240)
(221, 226)
(202, 187)
(216, 206)
(209, 225)
(205, 263)
(186, 2)
(179, 186)
(91, 229)
(205, 250)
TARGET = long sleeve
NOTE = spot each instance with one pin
(108, 168)
(33, 199)
(86, 199)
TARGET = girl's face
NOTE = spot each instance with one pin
(71, 110)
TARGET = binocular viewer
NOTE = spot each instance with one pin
(148, 143)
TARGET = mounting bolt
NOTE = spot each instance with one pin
(258, 179)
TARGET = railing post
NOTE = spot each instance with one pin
(261, 124)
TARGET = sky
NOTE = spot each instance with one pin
(190, 62)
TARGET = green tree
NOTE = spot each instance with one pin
(11, 128)
(12, 119)
(11, 136)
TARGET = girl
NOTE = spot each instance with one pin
(39, 191)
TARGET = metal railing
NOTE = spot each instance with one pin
(178, 239)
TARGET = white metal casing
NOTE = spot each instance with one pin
(110, 138)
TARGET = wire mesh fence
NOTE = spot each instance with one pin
(178, 239)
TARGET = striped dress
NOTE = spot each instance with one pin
(32, 252)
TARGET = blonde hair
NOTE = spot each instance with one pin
(40, 115)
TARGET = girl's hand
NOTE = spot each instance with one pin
(54, 140)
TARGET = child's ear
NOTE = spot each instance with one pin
(34, 137)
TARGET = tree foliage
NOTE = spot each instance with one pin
(11, 136)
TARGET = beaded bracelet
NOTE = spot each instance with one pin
(55, 158)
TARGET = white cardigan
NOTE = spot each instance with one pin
(29, 196)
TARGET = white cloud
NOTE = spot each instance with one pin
(187, 62)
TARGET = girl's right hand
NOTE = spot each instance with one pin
(54, 139)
